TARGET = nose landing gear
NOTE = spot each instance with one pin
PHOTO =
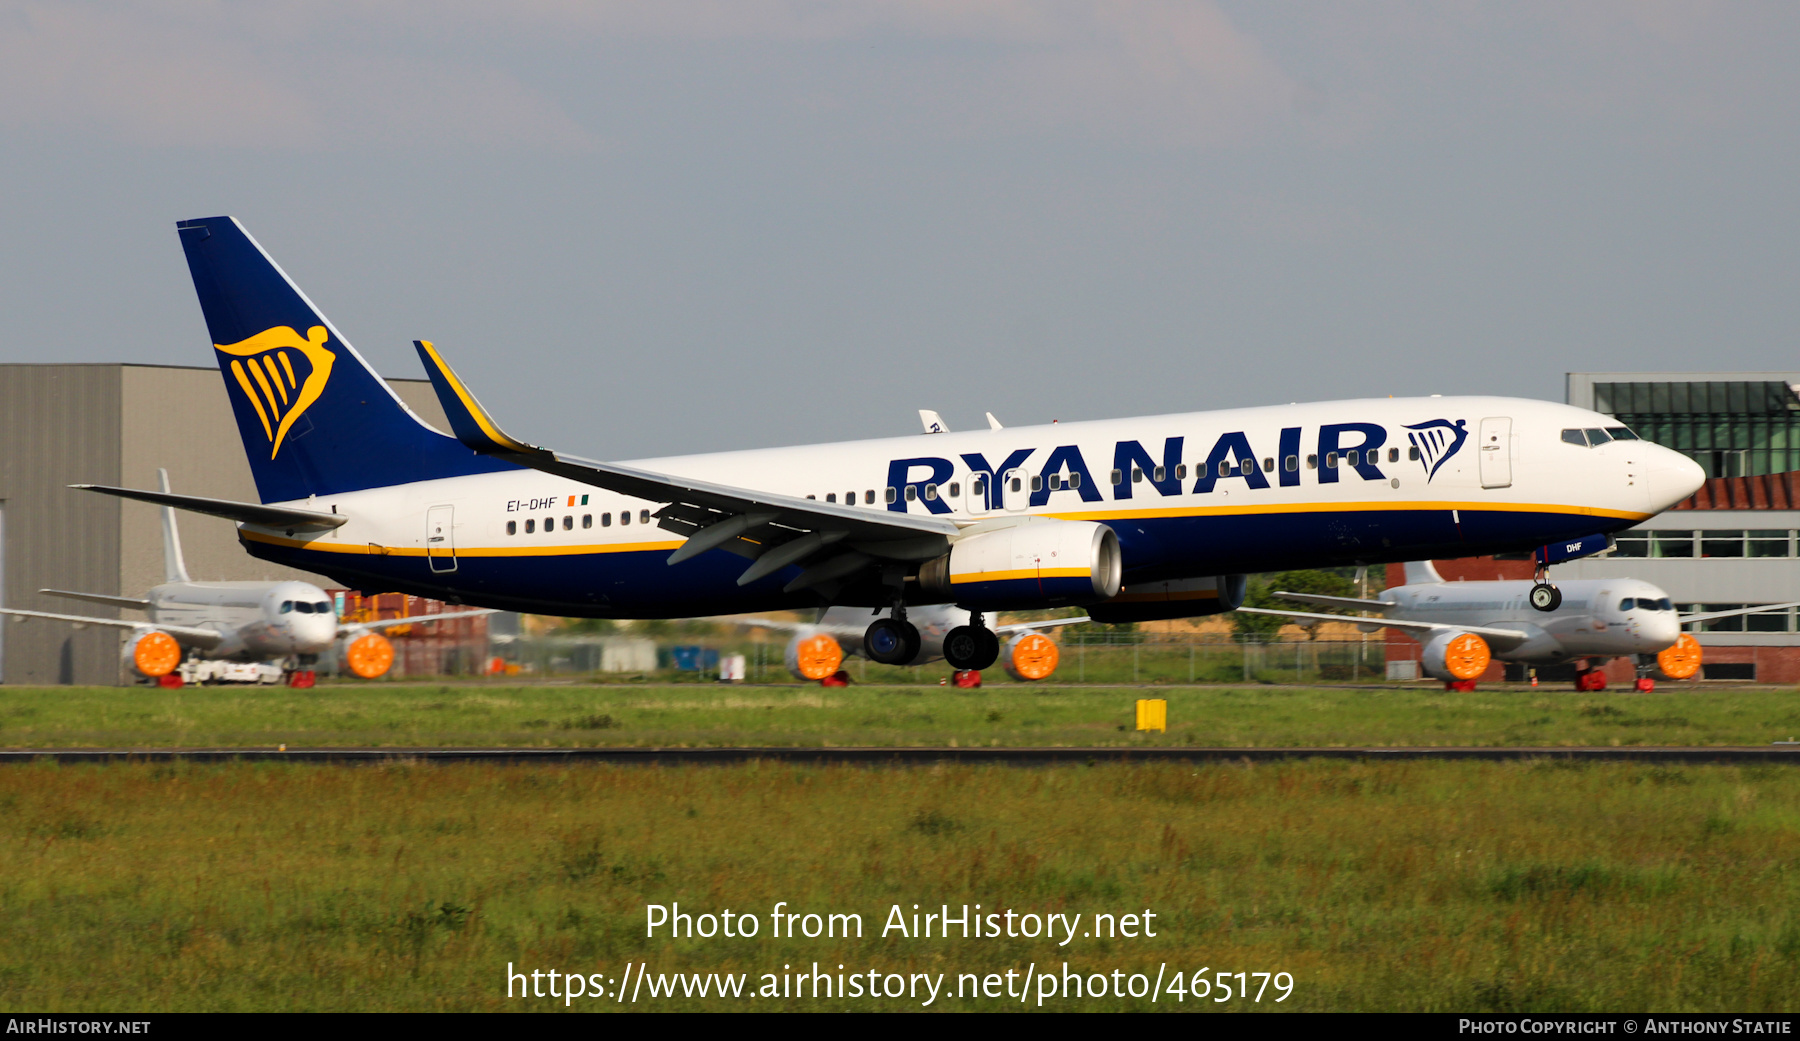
(1544, 596)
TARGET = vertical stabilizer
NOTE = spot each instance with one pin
(1421, 573)
(174, 568)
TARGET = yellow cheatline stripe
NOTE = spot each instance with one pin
(475, 411)
(361, 549)
(1008, 576)
(237, 369)
(275, 377)
(1349, 507)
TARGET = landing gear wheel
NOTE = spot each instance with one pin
(891, 641)
(971, 647)
(1545, 597)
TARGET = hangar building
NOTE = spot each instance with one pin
(115, 424)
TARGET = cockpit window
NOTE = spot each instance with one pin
(1621, 434)
(1597, 436)
(287, 607)
(303, 606)
(1647, 604)
(1625, 604)
(322, 607)
(1575, 437)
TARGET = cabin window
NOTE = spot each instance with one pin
(815, 497)
(1160, 475)
(1181, 472)
(587, 520)
(1393, 455)
(1056, 482)
(955, 490)
(1291, 463)
(568, 523)
(1268, 464)
(978, 485)
(891, 495)
(1412, 454)
(912, 493)
(1118, 478)
(1074, 480)
(512, 527)
(830, 496)
(1247, 466)
(1331, 460)
(287, 606)
(931, 493)
(1312, 462)
(606, 520)
(643, 516)
(1018, 485)
(549, 525)
(530, 526)
(1137, 475)
(624, 516)
(1037, 482)
(849, 498)
(1353, 457)
(869, 497)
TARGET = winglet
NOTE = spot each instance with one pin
(468, 420)
(934, 423)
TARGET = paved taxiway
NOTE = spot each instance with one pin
(1783, 754)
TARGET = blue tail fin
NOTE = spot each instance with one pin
(315, 418)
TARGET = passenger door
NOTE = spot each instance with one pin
(1496, 452)
(440, 541)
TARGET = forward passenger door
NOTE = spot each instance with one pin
(1496, 452)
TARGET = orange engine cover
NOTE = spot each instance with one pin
(1681, 660)
(369, 655)
(156, 654)
(814, 657)
(1032, 656)
(1467, 656)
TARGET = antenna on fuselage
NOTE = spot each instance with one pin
(174, 568)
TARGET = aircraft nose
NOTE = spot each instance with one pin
(1671, 477)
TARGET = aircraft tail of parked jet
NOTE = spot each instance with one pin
(315, 418)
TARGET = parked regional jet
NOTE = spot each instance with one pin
(1464, 625)
(1154, 517)
(292, 622)
(818, 648)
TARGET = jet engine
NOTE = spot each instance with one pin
(1034, 565)
(1179, 598)
(1030, 656)
(1455, 657)
(814, 657)
(369, 656)
(152, 654)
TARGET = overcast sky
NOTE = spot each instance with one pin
(646, 228)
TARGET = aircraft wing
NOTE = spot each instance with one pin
(1020, 627)
(1499, 639)
(349, 628)
(1333, 601)
(1707, 616)
(187, 636)
(243, 512)
(771, 530)
(100, 598)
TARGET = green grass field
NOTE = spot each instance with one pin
(1000, 714)
(1453, 886)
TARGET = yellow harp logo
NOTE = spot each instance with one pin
(263, 367)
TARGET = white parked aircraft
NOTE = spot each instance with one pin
(1464, 625)
(817, 649)
(290, 622)
(1135, 519)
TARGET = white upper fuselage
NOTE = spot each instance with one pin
(1478, 473)
(1597, 617)
(260, 621)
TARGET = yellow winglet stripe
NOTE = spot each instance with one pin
(475, 411)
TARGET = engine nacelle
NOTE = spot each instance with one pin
(1030, 656)
(1033, 565)
(369, 656)
(152, 654)
(814, 657)
(1452, 655)
(1179, 598)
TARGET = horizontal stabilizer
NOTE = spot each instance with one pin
(243, 512)
(100, 598)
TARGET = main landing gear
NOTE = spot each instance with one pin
(971, 647)
(892, 640)
(1544, 596)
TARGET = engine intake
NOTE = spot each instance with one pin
(1041, 564)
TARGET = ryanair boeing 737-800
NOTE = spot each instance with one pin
(1154, 517)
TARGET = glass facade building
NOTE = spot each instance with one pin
(1731, 427)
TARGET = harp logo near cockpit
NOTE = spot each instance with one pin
(1437, 440)
(281, 374)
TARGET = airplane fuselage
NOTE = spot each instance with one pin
(1189, 496)
(260, 621)
(1598, 618)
